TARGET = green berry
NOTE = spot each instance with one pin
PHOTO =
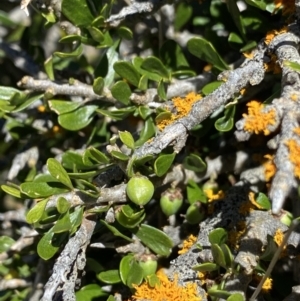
(149, 264)
(171, 201)
(194, 214)
(140, 190)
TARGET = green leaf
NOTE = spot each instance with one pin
(69, 39)
(236, 16)
(204, 50)
(48, 65)
(125, 266)
(184, 12)
(62, 205)
(111, 298)
(211, 87)
(121, 91)
(154, 65)
(119, 156)
(78, 119)
(270, 250)
(76, 219)
(71, 160)
(129, 218)
(127, 71)
(117, 114)
(136, 275)
(235, 41)
(257, 3)
(75, 53)
(77, 11)
(218, 236)
(63, 106)
(45, 248)
(294, 66)
(147, 132)
(109, 277)
(6, 93)
(161, 91)
(218, 293)
(127, 139)
(115, 231)
(143, 84)
(206, 267)
(154, 239)
(63, 223)
(249, 46)
(195, 193)
(90, 292)
(58, 172)
(225, 123)
(236, 297)
(163, 163)
(98, 85)
(36, 213)
(12, 191)
(96, 34)
(218, 255)
(194, 162)
(125, 33)
(263, 201)
(137, 62)
(227, 255)
(5, 243)
(97, 155)
(42, 189)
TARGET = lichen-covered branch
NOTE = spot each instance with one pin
(70, 263)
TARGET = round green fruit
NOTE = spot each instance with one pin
(149, 265)
(140, 190)
(171, 201)
(194, 214)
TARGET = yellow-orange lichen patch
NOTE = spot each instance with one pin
(294, 97)
(257, 121)
(214, 196)
(248, 55)
(288, 6)
(294, 155)
(267, 286)
(273, 33)
(183, 106)
(272, 65)
(166, 290)
(187, 244)
(278, 237)
(297, 131)
(253, 201)
(235, 235)
(269, 167)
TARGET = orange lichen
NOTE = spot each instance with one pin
(242, 91)
(294, 156)
(267, 286)
(294, 97)
(288, 6)
(183, 106)
(187, 244)
(214, 196)
(41, 108)
(278, 237)
(297, 131)
(248, 55)
(250, 205)
(207, 67)
(253, 201)
(235, 235)
(273, 33)
(166, 290)
(202, 276)
(257, 121)
(269, 167)
(272, 65)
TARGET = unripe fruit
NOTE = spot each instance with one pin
(286, 217)
(194, 214)
(140, 190)
(171, 201)
(149, 264)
